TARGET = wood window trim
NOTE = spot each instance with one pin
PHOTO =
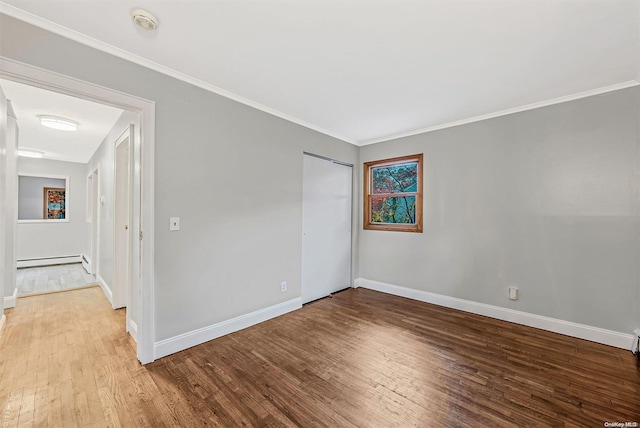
(367, 180)
(45, 195)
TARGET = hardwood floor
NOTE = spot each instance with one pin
(361, 358)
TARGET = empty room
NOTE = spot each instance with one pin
(358, 213)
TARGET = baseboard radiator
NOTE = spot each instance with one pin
(86, 263)
(48, 261)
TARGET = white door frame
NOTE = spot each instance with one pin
(4, 200)
(121, 293)
(143, 205)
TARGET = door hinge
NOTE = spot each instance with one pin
(141, 235)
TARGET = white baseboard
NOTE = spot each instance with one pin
(3, 319)
(568, 328)
(48, 261)
(196, 337)
(10, 301)
(105, 288)
(132, 328)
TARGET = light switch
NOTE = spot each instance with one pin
(174, 223)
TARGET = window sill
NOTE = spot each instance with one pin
(394, 228)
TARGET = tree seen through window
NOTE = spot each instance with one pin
(388, 182)
(393, 194)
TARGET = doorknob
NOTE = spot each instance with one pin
(126, 227)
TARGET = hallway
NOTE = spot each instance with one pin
(66, 360)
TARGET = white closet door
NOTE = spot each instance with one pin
(326, 223)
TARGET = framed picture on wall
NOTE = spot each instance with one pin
(54, 203)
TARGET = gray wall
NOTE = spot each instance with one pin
(30, 195)
(104, 159)
(55, 239)
(546, 200)
(232, 174)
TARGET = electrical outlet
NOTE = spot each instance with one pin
(513, 293)
(283, 286)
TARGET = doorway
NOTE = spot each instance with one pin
(141, 200)
(326, 224)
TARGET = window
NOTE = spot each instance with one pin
(42, 198)
(393, 194)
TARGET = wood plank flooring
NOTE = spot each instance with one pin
(359, 359)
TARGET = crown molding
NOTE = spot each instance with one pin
(74, 35)
(86, 40)
(559, 100)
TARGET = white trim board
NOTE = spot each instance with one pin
(568, 328)
(48, 261)
(10, 301)
(196, 337)
(105, 288)
(132, 328)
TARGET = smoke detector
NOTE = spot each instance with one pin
(144, 19)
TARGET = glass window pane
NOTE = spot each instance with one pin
(395, 178)
(399, 209)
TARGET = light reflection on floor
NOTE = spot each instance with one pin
(389, 362)
(48, 279)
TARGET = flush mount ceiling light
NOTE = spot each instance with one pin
(144, 19)
(29, 153)
(59, 123)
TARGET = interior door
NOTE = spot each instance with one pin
(326, 222)
(122, 222)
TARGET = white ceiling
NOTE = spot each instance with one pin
(366, 71)
(96, 120)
